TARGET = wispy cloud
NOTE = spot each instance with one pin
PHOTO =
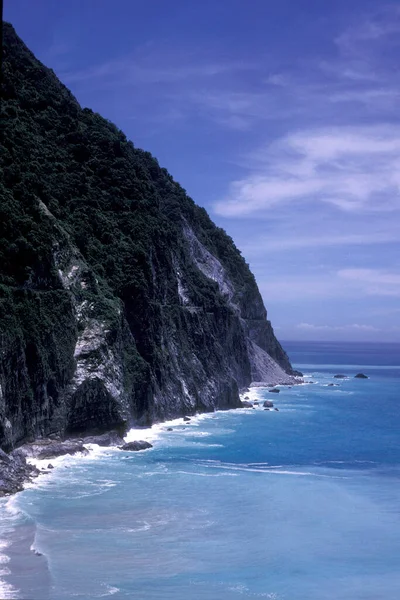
(292, 241)
(352, 168)
(351, 327)
(374, 282)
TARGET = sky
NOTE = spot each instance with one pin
(281, 118)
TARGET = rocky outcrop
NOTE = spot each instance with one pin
(120, 301)
(360, 376)
(46, 448)
(14, 472)
(136, 446)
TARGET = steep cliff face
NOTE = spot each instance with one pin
(120, 300)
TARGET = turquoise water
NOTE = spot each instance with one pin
(300, 504)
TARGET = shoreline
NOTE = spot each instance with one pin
(19, 552)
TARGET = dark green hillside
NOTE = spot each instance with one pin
(92, 236)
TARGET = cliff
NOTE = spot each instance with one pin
(120, 300)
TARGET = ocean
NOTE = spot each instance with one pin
(302, 503)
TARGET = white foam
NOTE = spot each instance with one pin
(111, 590)
(6, 590)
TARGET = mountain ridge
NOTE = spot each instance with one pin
(120, 300)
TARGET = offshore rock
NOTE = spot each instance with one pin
(275, 391)
(246, 404)
(268, 404)
(120, 300)
(136, 446)
(340, 376)
(360, 376)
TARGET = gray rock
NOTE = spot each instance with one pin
(275, 390)
(186, 419)
(136, 446)
(111, 438)
(268, 404)
(360, 376)
(50, 448)
(246, 404)
(14, 472)
(50, 466)
(340, 376)
(169, 429)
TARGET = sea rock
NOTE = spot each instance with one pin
(50, 466)
(246, 404)
(247, 397)
(111, 438)
(340, 376)
(169, 429)
(136, 446)
(186, 419)
(47, 448)
(277, 409)
(268, 404)
(275, 390)
(360, 376)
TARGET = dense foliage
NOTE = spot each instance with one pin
(71, 178)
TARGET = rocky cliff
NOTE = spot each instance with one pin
(120, 300)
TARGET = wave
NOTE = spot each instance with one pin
(7, 591)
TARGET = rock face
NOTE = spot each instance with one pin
(14, 472)
(120, 300)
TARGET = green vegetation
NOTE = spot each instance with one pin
(73, 187)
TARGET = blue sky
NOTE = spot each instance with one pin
(281, 118)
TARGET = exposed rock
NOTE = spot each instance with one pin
(169, 429)
(47, 448)
(112, 438)
(246, 404)
(277, 409)
(275, 390)
(360, 376)
(50, 466)
(268, 404)
(14, 472)
(136, 446)
(186, 419)
(340, 376)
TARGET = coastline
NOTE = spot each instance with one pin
(18, 550)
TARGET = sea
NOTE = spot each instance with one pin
(299, 503)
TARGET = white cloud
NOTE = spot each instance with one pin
(352, 168)
(292, 241)
(352, 327)
(373, 282)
